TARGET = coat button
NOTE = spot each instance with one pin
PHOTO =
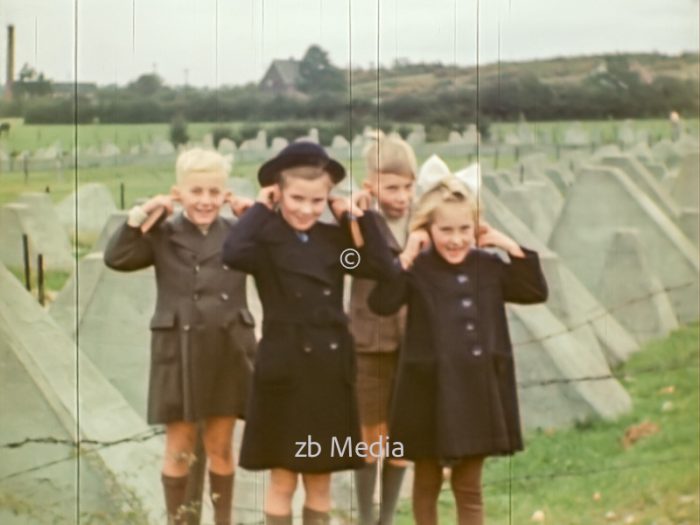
(224, 296)
(466, 302)
(197, 268)
(461, 278)
(477, 351)
(186, 328)
(225, 267)
(326, 292)
(298, 294)
(307, 349)
(470, 327)
(195, 296)
(334, 346)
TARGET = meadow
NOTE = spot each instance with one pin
(586, 475)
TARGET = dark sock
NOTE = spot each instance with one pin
(365, 481)
(315, 517)
(271, 519)
(392, 477)
(174, 490)
(221, 488)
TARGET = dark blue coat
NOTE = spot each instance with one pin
(455, 392)
(303, 381)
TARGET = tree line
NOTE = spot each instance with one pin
(616, 92)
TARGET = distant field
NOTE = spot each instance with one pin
(32, 137)
(144, 181)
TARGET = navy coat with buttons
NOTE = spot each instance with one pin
(455, 393)
(202, 339)
(303, 381)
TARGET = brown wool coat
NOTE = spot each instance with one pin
(374, 333)
(202, 339)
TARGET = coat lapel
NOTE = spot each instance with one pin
(187, 235)
(310, 258)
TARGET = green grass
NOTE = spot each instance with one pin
(655, 481)
(32, 137)
(145, 181)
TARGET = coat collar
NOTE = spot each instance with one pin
(311, 258)
(187, 235)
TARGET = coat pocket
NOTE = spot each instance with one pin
(165, 346)
(162, 320)
(275, 367)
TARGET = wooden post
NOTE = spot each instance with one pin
(27, 267)
(40, 278)
(121, 195)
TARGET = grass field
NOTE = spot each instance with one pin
(32, 137)
(584, 475)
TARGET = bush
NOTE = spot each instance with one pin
(178, 132)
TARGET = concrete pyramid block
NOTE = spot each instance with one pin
(636, 171)
(629, 288)
(84, 212)
(99, 303)
(605, 199)
(569, 300)
(525, 202)
(35, 218)
(560, 381)
(689, 223)
(589, 321)
(115, 221)
(39, 375)
(561, 178)
(685, 188)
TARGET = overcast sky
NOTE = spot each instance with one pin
(215, 42)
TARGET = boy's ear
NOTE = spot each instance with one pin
(370, 183)
(175, 193)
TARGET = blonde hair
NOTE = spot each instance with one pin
(389, 155)
(448, 190)
(198, 160)
(304, 172)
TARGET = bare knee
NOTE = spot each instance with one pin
(318, 491)
(218, 436)
(283, 483)
(179, 448)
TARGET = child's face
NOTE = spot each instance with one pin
(393, 192)
(202, 194)
(302, 201)
(452, 231)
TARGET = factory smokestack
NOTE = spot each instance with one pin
(10, 76)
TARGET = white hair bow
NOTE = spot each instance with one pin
(434, 170)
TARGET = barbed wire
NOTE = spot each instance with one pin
(619, 376)
(604, 312)
(99, 445)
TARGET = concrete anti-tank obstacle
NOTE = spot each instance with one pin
(42, 365)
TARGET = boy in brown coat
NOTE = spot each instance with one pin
(202, 342)
(389, 186)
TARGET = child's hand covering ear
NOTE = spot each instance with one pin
(362, 199)
(269, 195)
(340, 205)
(418, 240)
(488, 236)
(239, 204)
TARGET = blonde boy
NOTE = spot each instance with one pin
(202, 342)
(390, 183)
